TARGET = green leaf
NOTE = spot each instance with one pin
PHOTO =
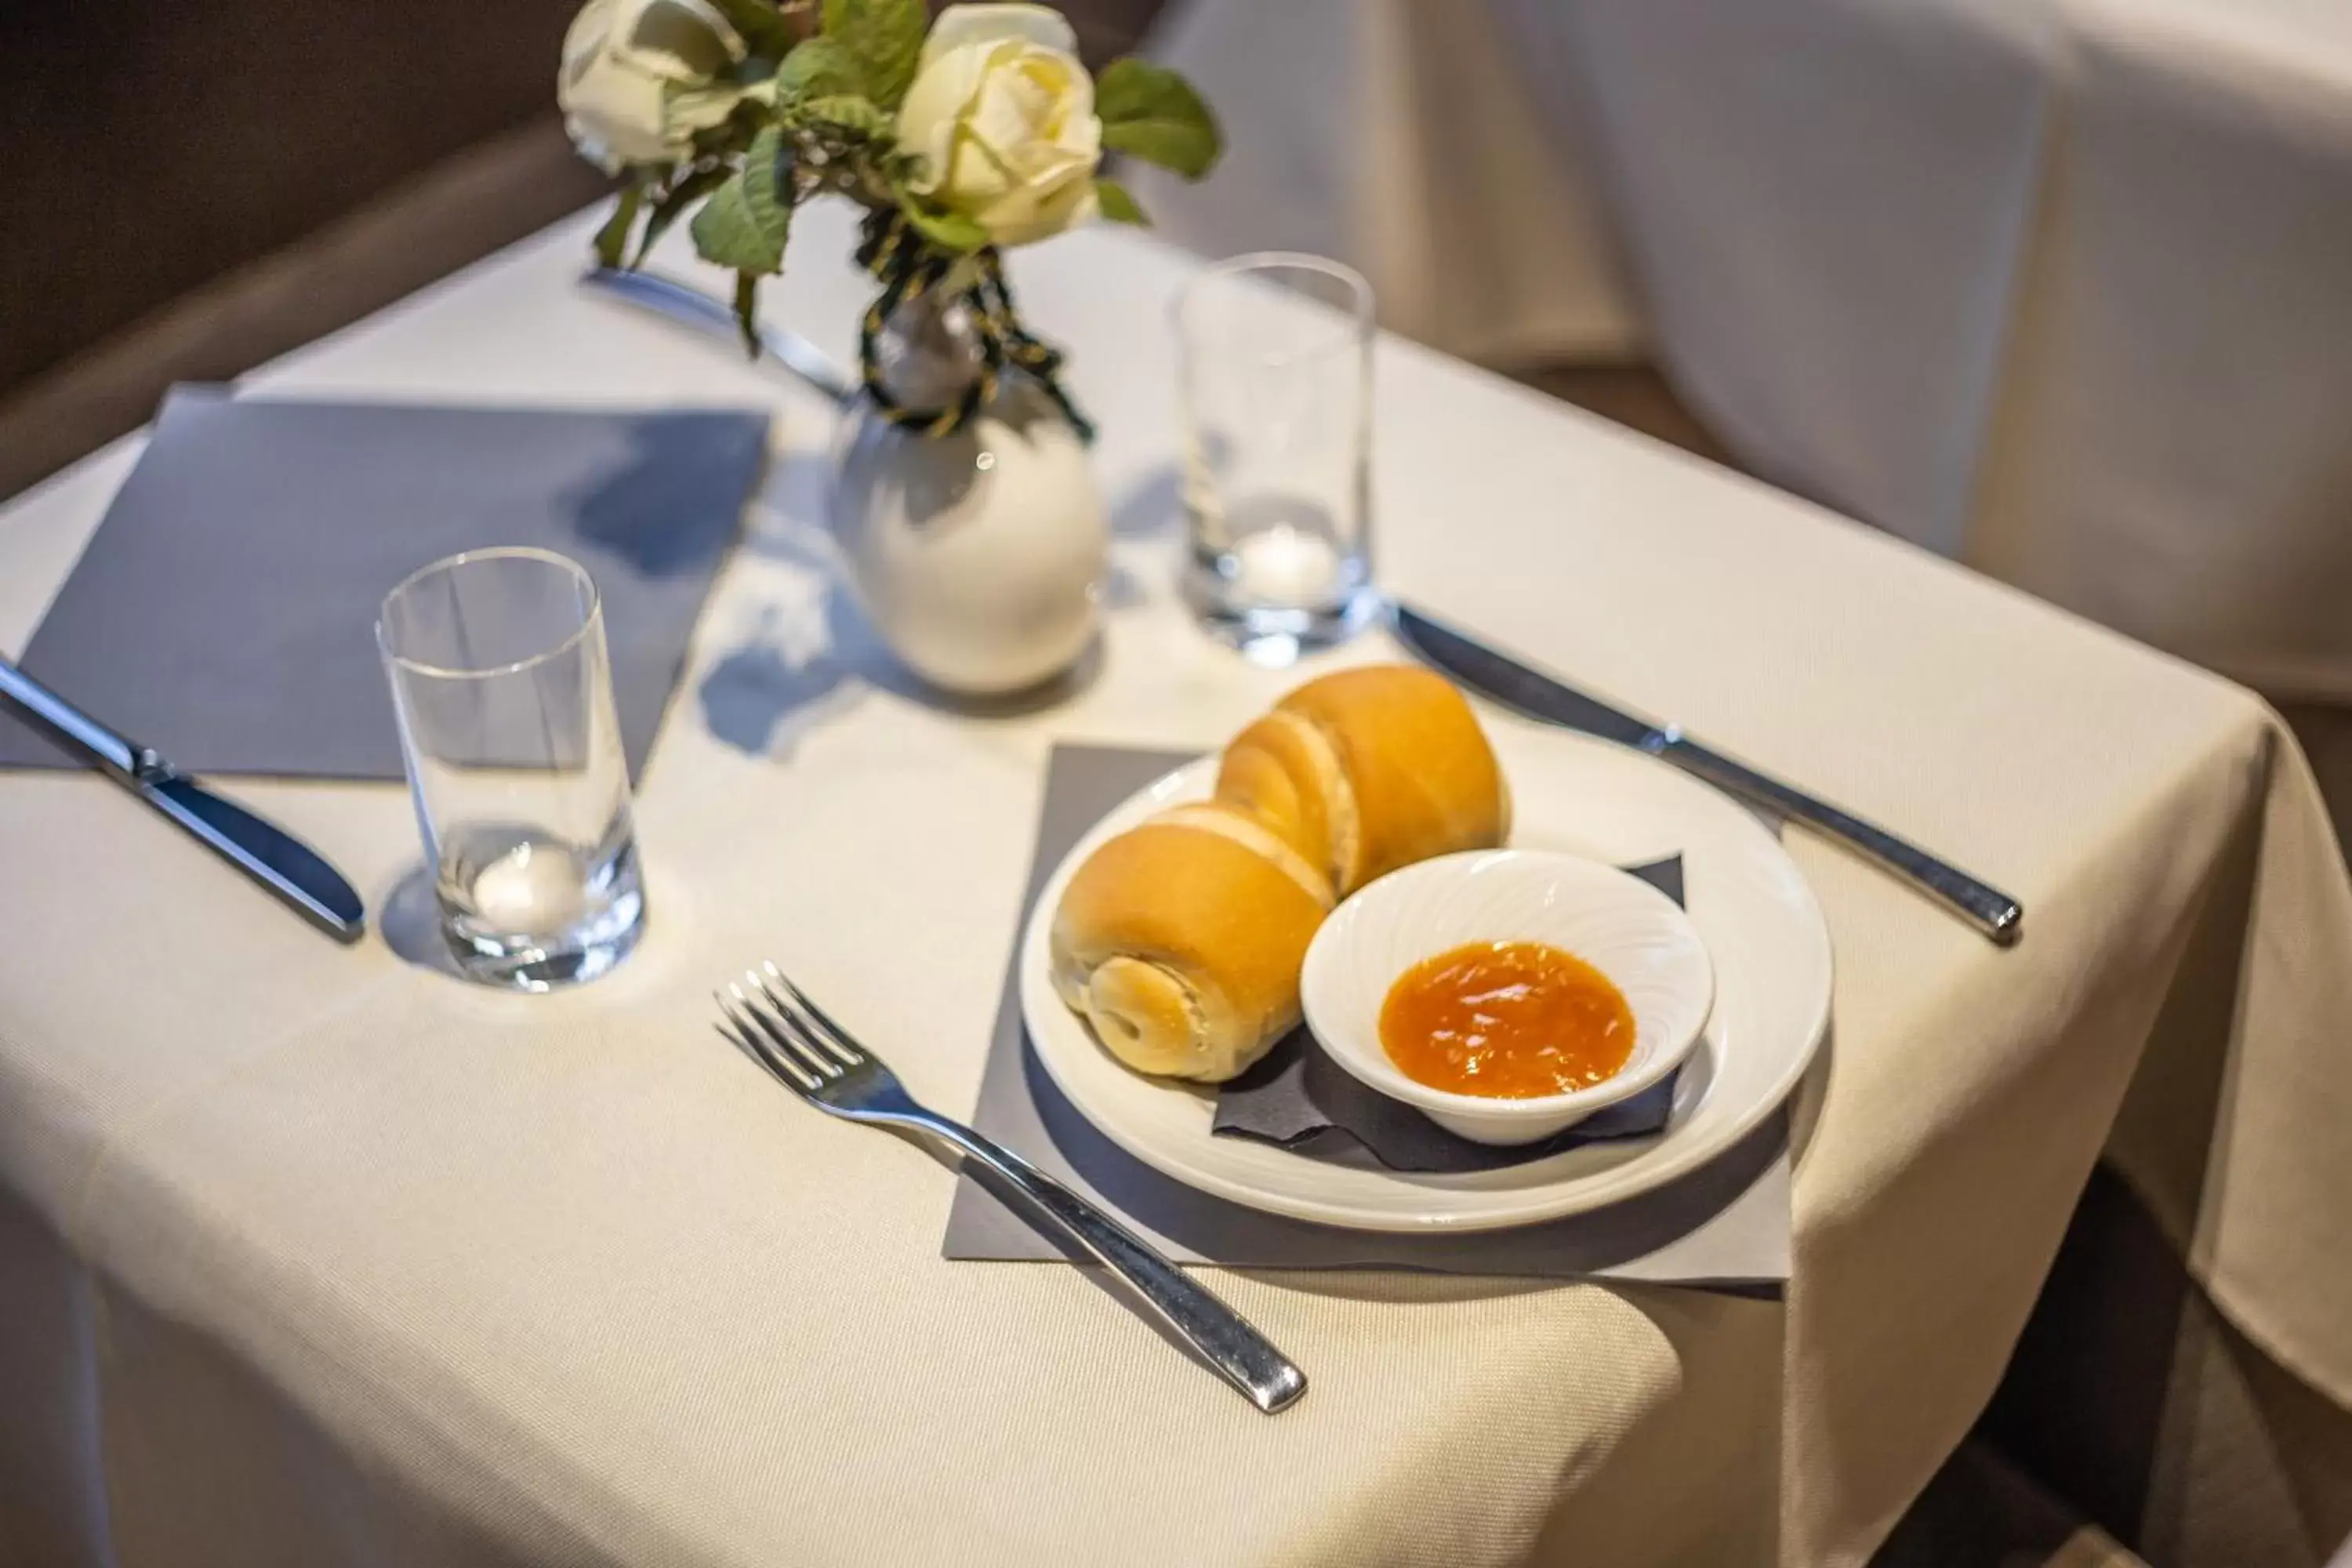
(612, 239)
(885, 37)
(849, 112)
(1118, 204)
(949, 231)
(745, 222)
(682, 196)
(747, 312)
(1153, 113)
(759, 21)
(818, 68)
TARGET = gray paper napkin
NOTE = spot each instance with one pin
(224, 610)
(1297, 1097)
(1725, 1226)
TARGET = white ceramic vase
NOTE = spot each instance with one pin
(978, 556)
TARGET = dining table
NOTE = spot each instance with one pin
(316, 1254)
(2056, 288)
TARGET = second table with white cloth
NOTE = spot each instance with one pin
(309, 1254)
(2057, 288)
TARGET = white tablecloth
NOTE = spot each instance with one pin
(313, 1254)
(2062, 288)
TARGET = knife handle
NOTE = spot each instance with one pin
(1987, 908)
(70, 724)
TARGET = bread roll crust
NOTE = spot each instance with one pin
(1182, 945)
(1285, 771)
(1180, 941)
(1219, 817)
(1424, 778)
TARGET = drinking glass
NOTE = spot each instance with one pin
(505, 695)
(1275, 369)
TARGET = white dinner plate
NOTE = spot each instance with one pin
(1761, 926)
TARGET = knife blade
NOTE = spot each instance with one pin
(666, 297)
(267, 853)
(1505, 680)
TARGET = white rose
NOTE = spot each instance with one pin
(631, 73)
(1003, 116)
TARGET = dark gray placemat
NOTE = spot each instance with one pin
(224, 610)
(1725, 1225)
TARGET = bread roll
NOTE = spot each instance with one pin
(1367, 770)
(1180, 941)
(1285, 771)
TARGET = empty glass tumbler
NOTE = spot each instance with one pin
(1276, 367)
(505, 695)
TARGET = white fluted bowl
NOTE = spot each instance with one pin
(1614, 922)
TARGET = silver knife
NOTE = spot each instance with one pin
(1514, 685)
(268, 854)
(666, 297)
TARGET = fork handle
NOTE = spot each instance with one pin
(1241, 1355)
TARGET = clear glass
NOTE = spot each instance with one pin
(505, 694)
(1276, 364)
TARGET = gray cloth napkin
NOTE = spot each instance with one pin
(1297, 1098)
(224, 611)
(1725, 1226)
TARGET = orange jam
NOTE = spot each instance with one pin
(1509, 1020)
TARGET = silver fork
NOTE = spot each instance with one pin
(790, 1036)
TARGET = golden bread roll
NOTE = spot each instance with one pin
(1180, 941)
(1285, 771)
(1366, 770)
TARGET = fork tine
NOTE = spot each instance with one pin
(732, 1033)
(843, 1044)
(744, 1042)
(811, 1039)
(753, 1020)
(784, 1030)
(747, 1037)
(779, 1040)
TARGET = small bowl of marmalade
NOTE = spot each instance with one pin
(1508, 993)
